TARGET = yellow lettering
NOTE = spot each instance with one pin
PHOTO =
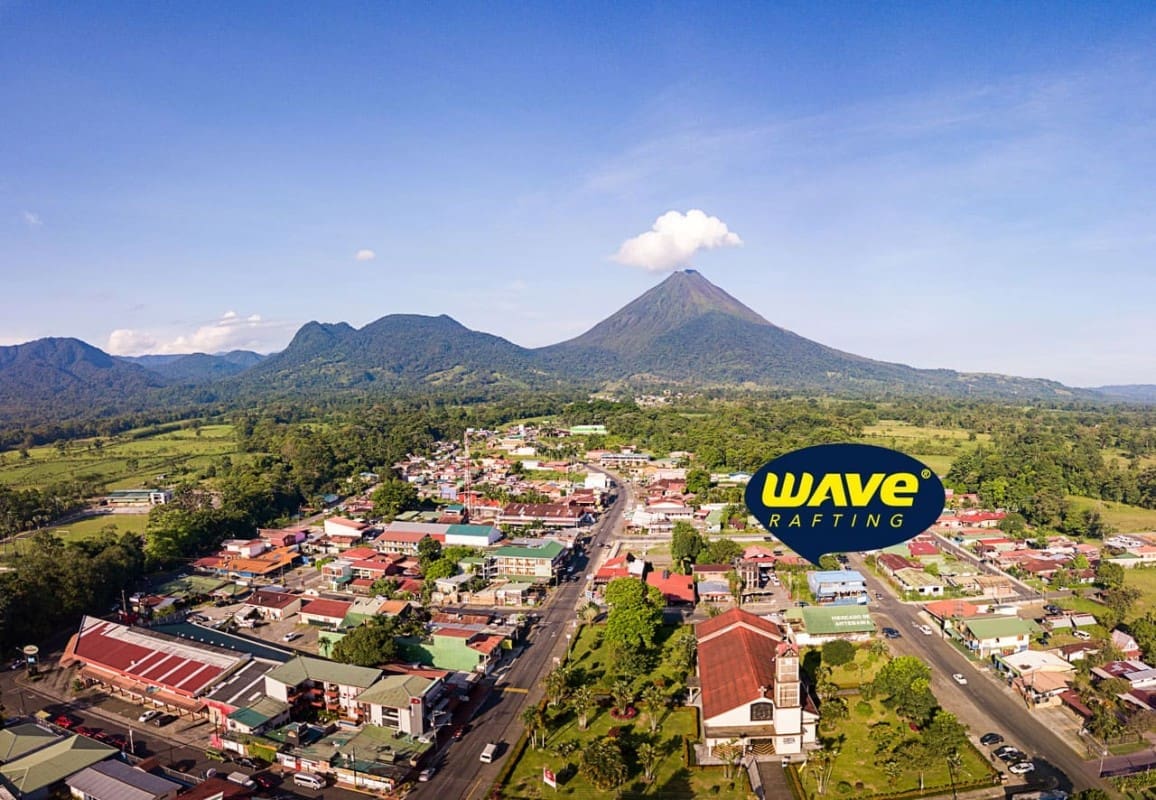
(816, 519)
(795, 522)
(896, 520)
(788, 497)
(837, 518)
(861, 495)
(898, 489)
(872, 520)
(774, 523)
(830, 488)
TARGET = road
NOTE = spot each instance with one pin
(461, 774)
(983, 704)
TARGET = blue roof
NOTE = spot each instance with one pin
(838, 576)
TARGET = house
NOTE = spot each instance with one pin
(921, 548)
(1040, 677)
(116, 780)
(951, 609)
(273, 605)
(348, 529)
(246, 548)
(1126, 644)
(257, 717)
(541, 561)
(890, 563)
(403, 703)
(324, 611)
(1135, 671)
(547, 515)
(678, 590)
(919, 582)
(837, 586)
(816, 625)
(392, 540)
(326, 685)
(750, 690)
(460, 647)
(624, 566)
(993, 634)
(714, 591)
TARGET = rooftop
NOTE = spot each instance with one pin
(116, 780)
(304, 668)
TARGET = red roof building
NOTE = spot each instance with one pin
(325, 611)
(677, 589)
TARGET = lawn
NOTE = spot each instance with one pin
(129, 460)
(862, 670)
(89, 528)
(936, 447)
(672, 778)
(855, 765)
(1121, 516)
(1144, 579)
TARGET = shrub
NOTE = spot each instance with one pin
(843, 788)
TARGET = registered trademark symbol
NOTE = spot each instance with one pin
(926, 473)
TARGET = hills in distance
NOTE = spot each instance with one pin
(685, 332)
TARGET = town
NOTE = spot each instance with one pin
(423, 631)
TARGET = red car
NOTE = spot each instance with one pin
(64, 721)
(84, 730)
(265, 780)
(101, 736)
(459, 732)
(117, 740)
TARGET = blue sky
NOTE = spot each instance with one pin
(966, 186)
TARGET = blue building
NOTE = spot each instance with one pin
(838, 587)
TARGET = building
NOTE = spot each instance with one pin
(37, 759)
(459, 647)
(541, 561)
(714, 591)
(116, 780)
(403, 537)
(402, 703)
(148, 666)
(619, 460)
(994, 634)
(138, 497)
(839, 587)
(545, 515)
(750, 690)
(677, 590)
(816, 625)
(326, 685)
(916, 581)
(325, 612)
(1041, 677)
(272, 605)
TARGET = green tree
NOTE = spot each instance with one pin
(829, 562)
(697, 481)
(932, 569)
(622, 692)
(838, 652)
(1109, 575)
(394, 496)
(943, 734)
(1121, 600)
(720, 551)
(905, 681)
(685, 546)
(654, 701)
(429, 550)
(442, 568)
(367, 645)
(634, 617)
(557, 682)
(648, 757)
(534, 718)
(583, 702)
(603, 765)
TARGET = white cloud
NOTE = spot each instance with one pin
(31, 219)
(230, 332)
(365, 255)
(674, 240)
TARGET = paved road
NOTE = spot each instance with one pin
(984, 704)
(461, 774)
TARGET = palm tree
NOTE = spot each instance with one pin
(655, 701)
(583, 702)
(623, 693)
(648, 757)
(556, 685)
(534, 718)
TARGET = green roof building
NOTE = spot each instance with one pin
(540, 561)
(995, 634)
(818, 624)
(32, 776)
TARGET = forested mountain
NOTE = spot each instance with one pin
(196, 368)
(69, 374)
(1133, 392)
(685, 333)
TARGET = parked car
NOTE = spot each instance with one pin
(459, 732)
(1051, 608)
(426, 774)
(65, 721)
(151, 714)
(118, 741)
(290, 636)
(265, 780)
(1008, 753)
(84, 730)
(164, 719)
(1021, 768)
(891, 633)
(988, 739)
(1082, 635)
(925, 630)
(958, 678)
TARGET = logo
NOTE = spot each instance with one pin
(837, 498)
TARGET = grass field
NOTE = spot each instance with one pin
(935, 447)
(855, 765)
(121, 462)
(1123, 517)
(1144, 579)
(90, 527)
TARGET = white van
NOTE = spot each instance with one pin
(488, 753)
(308, 780)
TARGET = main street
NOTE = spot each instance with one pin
(460, 773)
(983, 703)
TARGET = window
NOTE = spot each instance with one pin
(762, 712)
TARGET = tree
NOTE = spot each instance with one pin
(556, 683)
(1013, 525)
(681, 648)
(622, 691)
(944, 734)
(635, 615)
(1120, 600)
(697, 481)
(1080, 562)
(721, 551)
(685, 546)
(603, 765)
(534, 718)
(367, 645)
(583, 702)
(1091, 794)
(728, 752)
(648, 756)
(735, 584)
(838, 652)
(442, 568)
(429, 550)
(654, 701)
(829, 562)
(932, 569)
(1092, 524)
(394, 496)
(905, 681)
(1109, 575)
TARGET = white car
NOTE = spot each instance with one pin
(151, 714)
(290, 636)
(426, 774)
(958, 678)
(1022, 768)
(1082, 635)
(925, 630)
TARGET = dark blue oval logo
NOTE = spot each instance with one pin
(839, 498)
